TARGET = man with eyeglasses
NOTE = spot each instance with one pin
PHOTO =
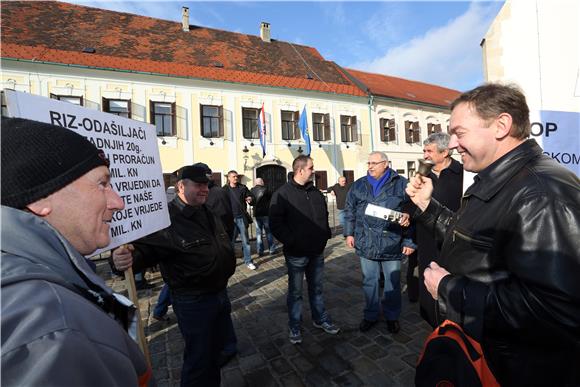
(380, 241)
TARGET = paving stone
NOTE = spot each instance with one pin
(281, 366)
(348, 380)
(301, 363)
(346, 351)
(333, 364)
(360, 341)
(392, 365)
(317, 378)
(291, 380)
(251, 362)
(379, 379)
(411, 359)
(261, 377)
(268, 350)
(374, 351)
(363, 366)
(233, 378)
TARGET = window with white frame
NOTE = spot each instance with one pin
(120, 107)
(250, 123)
(320, 127)
(412, 132)
(68, 98)
(290, 129)
(162, 115)
(387, 128)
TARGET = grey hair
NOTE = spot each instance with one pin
(439, 139)
(382, 154)
(258, 181)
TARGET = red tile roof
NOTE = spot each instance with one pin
(58, 32)
(399, 88)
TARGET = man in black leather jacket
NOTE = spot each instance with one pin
(196, 258)
(262, 197)
(509, 263)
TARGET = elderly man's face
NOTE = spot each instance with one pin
(83, 210)
(342, 181)
(376, 166)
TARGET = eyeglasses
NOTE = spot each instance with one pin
(372, 163)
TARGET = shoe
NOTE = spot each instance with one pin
(365, 325)
(327, 327)
(162, 318)
(393, 326)
(226, 357)
(295, 336)
(261, 254)
(251, 266)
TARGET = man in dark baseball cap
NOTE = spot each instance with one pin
(196, 259)
(57, 203)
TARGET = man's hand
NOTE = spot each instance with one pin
(123, 257)
(408, 250)
(350, 241)
(405, 220)
(433, 275)
(249, 199)
(419, 190)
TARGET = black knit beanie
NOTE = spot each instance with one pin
(39, 159)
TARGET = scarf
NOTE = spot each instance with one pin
(378, 184)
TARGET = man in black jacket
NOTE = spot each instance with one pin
(196, 259)
(299, 219)
(447, 178)
(509, 263)
(240, 196)
(339, 191)
(262, 198)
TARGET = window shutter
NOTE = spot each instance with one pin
(105, 104)
(152, 112)
(383, 129)
(408, 132)
(416, 132)
(437, 128)
(392, 133)
(354, 128)
(221, 121)
(296, 128)
(173, 120)
(201, 131)
(327, 127)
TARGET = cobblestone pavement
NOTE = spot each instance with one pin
(266, 357)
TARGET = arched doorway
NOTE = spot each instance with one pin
(274, 176)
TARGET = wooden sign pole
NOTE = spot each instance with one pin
(132, 289)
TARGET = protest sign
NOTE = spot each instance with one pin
(131, 147)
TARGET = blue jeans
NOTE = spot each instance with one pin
(392, 293)
(163, 302)
(202, 320)
(240, 228)
(341, 220)
(313, 267)
(263, 224)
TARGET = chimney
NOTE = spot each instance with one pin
(185, 19)
(265, 31)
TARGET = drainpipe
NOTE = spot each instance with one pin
(371, 100)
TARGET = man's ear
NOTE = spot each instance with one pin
(42, 207)
(503, 125)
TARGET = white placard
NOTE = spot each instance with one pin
(131, 147)
(382, 213)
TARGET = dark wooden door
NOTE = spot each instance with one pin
(274, 176)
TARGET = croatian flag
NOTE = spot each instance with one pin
(303, 125)
(262, 129)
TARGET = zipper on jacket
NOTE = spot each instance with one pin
(470, 239)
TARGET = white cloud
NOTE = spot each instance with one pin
(449, 56)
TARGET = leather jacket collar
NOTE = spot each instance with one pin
(185, 209)
(489, 181)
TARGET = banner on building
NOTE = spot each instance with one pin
(558, 133)
(131, 147)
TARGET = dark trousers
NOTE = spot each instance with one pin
(202, 320)
(413, 278)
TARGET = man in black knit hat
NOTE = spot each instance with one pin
(57, 203)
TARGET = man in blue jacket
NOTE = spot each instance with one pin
(380, 243)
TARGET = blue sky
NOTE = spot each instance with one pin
(434, 42)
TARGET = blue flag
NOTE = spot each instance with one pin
(303, 125)
(262, 129)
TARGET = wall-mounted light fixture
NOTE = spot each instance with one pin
(211, 142)
(300, 150)
(347, 146)
(319, 145)
(245, 150)
(289, 145)
(163, 141)
(251, 143)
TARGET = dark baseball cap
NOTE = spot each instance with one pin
(199, 172)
